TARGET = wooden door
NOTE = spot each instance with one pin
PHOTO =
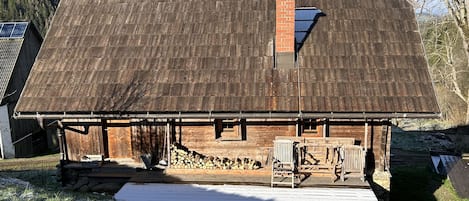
(119, 142)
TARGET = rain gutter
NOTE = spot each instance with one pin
(214, 115)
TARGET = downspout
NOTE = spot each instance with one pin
(62, 162)
(62, 137)
(61, 147)
(298, 126)
(298, 84)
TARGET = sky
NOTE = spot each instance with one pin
(436, 7)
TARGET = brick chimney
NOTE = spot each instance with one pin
(285, 34)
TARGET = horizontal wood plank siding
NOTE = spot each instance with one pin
(141, 138)
(258, 143)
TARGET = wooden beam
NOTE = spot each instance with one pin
(366, 136)
(297, 128)
(104, 138)
(168, 149)
(324, 129)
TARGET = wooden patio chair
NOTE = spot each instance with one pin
(283, 163)
(353, 162)
(319, 158)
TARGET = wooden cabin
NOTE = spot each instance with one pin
(225, 78)
(19, 45)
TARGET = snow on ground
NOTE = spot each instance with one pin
(193, 192)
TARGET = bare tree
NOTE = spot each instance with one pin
(447, 63)
(419, 5)
(458, 10)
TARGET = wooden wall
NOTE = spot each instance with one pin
(132, 139)
(124, 139)
(80, 144)
(148, 138)
(257, 145)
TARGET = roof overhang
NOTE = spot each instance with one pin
(214, 115)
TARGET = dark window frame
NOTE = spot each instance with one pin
(230, 129)
(309, 126)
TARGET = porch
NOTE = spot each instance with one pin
(123, 171)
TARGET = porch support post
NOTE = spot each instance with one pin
(366, 135)
(168, 149)
(297, 127)
(104, 139)
(324, 129)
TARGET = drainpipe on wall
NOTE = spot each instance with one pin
(61, 148)
(62, 162)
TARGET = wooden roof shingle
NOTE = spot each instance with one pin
(207, 55)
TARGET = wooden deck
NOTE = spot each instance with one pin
(253, 177)
(133, 172)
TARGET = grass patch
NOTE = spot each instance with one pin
(419, 183)
(47, 162)
(42, 185)
(447, 192)
(37, 181)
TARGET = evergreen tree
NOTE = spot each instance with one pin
(39, 12)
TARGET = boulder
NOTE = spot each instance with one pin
(81, 181)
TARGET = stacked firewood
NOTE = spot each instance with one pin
(182, 158)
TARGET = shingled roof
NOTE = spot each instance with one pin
(175, 56)
(9, 51)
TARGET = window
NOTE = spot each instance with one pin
(305, 19)
(13, 29)
(229, 130)
(310, 126)
(227, 125)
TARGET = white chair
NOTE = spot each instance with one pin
(283, 163)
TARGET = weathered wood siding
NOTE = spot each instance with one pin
(80, 144)
(123, 138)
(147, 139)
(119, 140)
(130, 140)
(257, 145)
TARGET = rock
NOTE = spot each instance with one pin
(92, 183)
(81, 181)
(106, 187)
(84, 189)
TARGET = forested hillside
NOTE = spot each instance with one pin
(40, 12)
